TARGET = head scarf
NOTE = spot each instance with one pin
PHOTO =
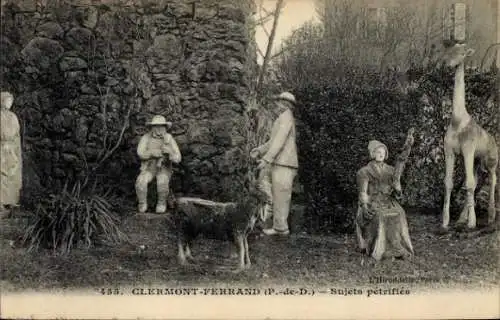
(4, 95)
(374, 145)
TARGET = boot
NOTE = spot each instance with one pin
(142, 197)
(163, 189)
(274, 232)
(143, 207)
(161, 206)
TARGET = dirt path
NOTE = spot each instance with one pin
(301, 259)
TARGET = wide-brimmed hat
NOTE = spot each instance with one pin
(374, 145)
(287, 96)
(159, 121)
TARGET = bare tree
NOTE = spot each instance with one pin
(264, 17)
(351, 38)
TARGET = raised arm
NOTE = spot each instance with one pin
(401, 160)
(277, 141)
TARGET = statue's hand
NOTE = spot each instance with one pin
(165, 149)
(367, 214)
(156, 153)
(254, 154)
(397, 194)
(409, 137)
(262, 164)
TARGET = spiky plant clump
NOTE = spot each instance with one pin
(71, 218)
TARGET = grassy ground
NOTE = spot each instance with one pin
(456, 259)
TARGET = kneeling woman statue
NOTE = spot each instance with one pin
(381, 226)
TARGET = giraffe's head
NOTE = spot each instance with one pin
(455, 54)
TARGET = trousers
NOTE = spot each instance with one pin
(147, 174)
(277, 182)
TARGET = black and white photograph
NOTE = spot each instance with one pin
(250, 159)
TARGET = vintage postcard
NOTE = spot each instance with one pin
(250, 159)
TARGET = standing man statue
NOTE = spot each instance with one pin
(157, 151)
(10, 154)
(279, 163)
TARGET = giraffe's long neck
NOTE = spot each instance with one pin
(459, 113)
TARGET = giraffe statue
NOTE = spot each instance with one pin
(466, 137)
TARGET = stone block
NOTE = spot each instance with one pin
(42, 52)
(51, 30)
(72, 63)
(193, 71)
(80, 39)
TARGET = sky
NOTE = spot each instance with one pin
(293, 15)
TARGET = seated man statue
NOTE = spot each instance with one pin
(381, 226)
(157, 151)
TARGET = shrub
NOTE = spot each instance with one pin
(335, 125)
(336, 122)
(71, 218)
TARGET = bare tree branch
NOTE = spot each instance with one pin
(260, 52)
(126, 123)
(279, 5)
(263, 20)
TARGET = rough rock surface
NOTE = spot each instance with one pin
(79, 68)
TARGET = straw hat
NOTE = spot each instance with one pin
(159, 121)
(287, 96)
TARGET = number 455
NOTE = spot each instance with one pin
(109, 291)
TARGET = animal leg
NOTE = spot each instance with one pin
(188, 252)
(470, 185)
(448, 184)
(462, 219)
(240, 242)
(247, 254)
(181, 255)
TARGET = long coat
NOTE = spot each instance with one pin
(10, 158)
(281, 149)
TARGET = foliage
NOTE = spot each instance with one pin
(348, 39)
(349, 93)
(351, 38)
(71, 217)
(435, 91)
(336, 122)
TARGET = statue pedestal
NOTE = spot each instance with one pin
(151, 216)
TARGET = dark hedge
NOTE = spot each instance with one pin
(335, 124)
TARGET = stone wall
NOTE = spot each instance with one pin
(87, 75)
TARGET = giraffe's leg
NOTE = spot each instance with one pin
(464, 214)
(470, 185)
(448, 186)
(491, 204)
